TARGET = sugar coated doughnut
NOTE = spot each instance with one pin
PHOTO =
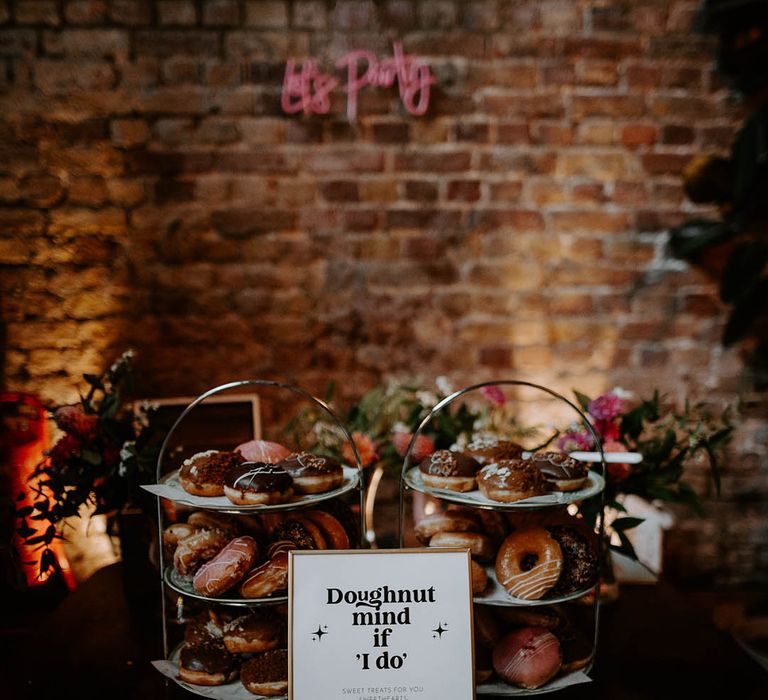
(510, 480)
(528, 563)
(527, 657)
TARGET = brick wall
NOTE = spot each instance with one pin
(155, 196)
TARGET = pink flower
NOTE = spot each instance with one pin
(607, 429)
(606, 407)
(617, 471)
(65, 448)
(575, 441)
(421, 449)
(73, 420)
(365, 448)
(494, 394)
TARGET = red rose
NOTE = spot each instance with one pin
(73, 420)
(366, 449)
(421, 450)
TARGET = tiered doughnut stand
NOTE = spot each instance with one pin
(518, 512)
(180, 600)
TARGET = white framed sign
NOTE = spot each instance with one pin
(380, 625)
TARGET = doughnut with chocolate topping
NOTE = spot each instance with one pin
(203, 473)
(313, 473)
(491, 448)
(257, 483)
(561, 472)
(579, 560)
(255, 633)
(510, 480)
(267, 673)
(207, 664)
(453, 471)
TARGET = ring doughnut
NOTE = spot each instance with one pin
(479, 577)
(207, 664)
(258, 483)
(336, 536)
(267, 673)
(449, 521)
(313, 473)
(254, 633)
(226, 568)
(528, 563)
(510, 480)
(203, 473)
(270, 577)
(453, 471)
(480, 546)
(198, 548)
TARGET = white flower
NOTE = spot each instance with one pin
(400, 427)
(623, 394)
(426, 398)
(443, 385)
(125, 455)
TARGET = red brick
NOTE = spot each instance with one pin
(589, 221)
(340, 191)
(588, 192)
(522, 219)
(424, 248)
(438, 14)
(677, 135)
(309, 14)
(173, 42)
(390, 132)
(608, 49)
(619, 106)
(87, 42)
(513, 133)
(682, 77)
(634, 135)
(361, 220)
(464, 190)
(422, 218)
(594, 72)
(514, 162)
(496, 356)
(44, 12)
(243, 223)
(532, 106)
(658, 220)
(433, 161)
(506, 191)
(42, 190)
(21, 221)
(85, 11)
(683, 108)
(221, 13)
(552, 133)
(665, 163)
(88, 191)
(400, 14)
(350, 14)
(421, 190)
(129, 132)
(177, 12)
(134, 13)
(478, 132)
(610, 19)
(344, 161)
(630, 192)
(643, 76)
(559, 74)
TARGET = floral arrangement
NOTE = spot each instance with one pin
(383, 421)
(668, 441)
(106, 452)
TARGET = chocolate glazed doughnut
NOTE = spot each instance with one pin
(207, 664)
(579, 560)
(313, 473)
(257, 483)
(454, 471)
(203, 473)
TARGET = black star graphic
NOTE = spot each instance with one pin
(318, 633)
(439, 631)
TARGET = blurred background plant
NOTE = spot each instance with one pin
(107, 450)
(734, 248)
(669, 441)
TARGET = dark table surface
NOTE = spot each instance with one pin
(98, 643)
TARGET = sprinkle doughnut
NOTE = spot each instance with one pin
(453, 471)
(529, 563)
(203, 473)
(313, 473)
(254, 633)
(510, 480)
(226, 568)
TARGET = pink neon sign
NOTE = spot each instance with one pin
(308, 89)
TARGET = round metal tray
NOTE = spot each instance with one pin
(183, 584)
